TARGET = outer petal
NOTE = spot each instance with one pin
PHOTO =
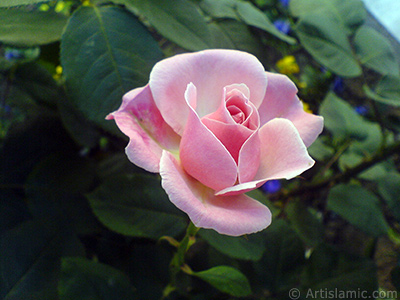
(235, 215)
(281, 101)
(141, 121)
(202, 155)
(210, 71)
(283, 155)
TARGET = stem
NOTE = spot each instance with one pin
(178, 260)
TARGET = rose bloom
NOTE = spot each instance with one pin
(216, 125)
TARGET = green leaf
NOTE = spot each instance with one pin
(136, 206)
(372, 141)
(351, 158)
(350, 13)
(359, 207)
(105, 52)
(305, 223)
(262, 197)
(30, 259)
(389, 188)
(320, 151)
(241, 37)
(341, 119)
(83, 131)
(220, 38)
(248, 248)
(333, 271)
(85, 279)
(13, 210)
(55, 190)
(10, 3)
(324, 38)
(178, 21)
(220, 9)
(374, 173)
(115, 165)
(36, 81)
(245, 11)
(25, 28)
(283, 260)
(24, 147)
(254, 17)
(375, 51)
(148, 268)
(226, 279)
(386, 91)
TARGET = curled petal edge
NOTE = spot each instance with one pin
(281, 101)
(139, 119)
(283, 156)
(202, 155)
(234, 215)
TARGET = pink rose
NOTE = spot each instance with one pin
(215, 125)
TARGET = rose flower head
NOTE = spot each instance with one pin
(216, 125)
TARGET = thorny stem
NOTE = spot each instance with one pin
(178, 260)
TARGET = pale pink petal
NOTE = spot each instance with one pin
(241, 188)
(202, 155)
(239, 87)
(282, 155)
(234, 215)
(222, 114)
(231, 136)
(210, 71)
(140, 120)
(281, 101)
(309, 126)
(249, 158)
(233, 132)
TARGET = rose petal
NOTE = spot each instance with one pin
(283, 155)
(231, 136)
(249, 158)
(210, 71)
(235, 215)
(222, 114)
(141, 121)
(281, 101)
(309, 126)
(202, 155)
